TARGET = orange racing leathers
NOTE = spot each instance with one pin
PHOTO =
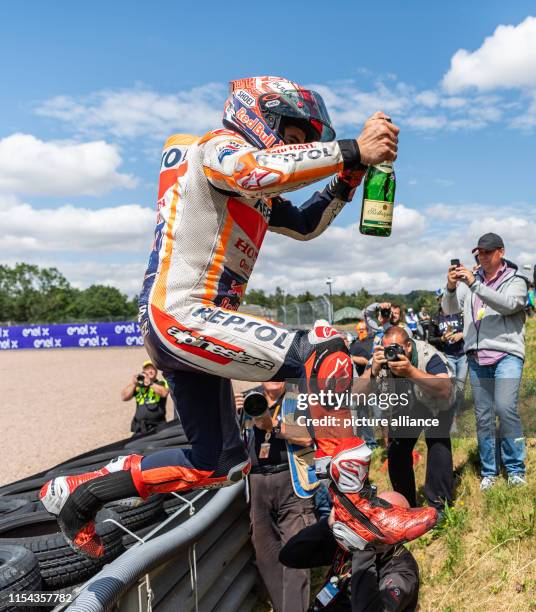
(218, 195)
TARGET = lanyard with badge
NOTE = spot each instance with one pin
(264, 451)
(337, 583)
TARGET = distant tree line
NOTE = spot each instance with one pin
(30, 294)
(416, 299)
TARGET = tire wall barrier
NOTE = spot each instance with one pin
(216, 536)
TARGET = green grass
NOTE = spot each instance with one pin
(482, 557)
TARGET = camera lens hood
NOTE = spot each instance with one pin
(255, 404)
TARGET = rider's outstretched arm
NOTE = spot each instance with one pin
(316, 214)
(231, 164)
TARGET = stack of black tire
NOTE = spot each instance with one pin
(35, 556)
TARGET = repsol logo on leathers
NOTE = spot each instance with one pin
(298, 156)
(261, 330)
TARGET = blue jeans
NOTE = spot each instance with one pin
(366, 431)
(322, 501)
(495, 392)
(459, 364)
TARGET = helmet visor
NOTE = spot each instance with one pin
(301, 104)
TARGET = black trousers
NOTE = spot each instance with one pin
(439, 480)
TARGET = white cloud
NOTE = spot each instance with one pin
(140, 111)
(145, 113)
(427, 122)
(518, 233)
(454, 102)
(506, 59)
(413, 257)
(27, 230)
(476, 210)
(127, 277)
(32, 166)
(428, 98)
(350, 105)
(423, 111)
(527, 120)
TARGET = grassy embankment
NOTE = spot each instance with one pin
(483, 557)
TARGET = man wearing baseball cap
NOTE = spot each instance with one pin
(150, 395)
(492, 300)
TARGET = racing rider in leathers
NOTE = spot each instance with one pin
(218, 195)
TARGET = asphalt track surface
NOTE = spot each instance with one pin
(58, 403)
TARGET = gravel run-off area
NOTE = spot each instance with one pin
(59, 403)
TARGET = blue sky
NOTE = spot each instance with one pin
(90, 91)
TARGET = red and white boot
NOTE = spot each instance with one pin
(75, 500)
(362, 518)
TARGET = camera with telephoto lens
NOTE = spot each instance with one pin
(255, 404)
(385, 313)
(393, 351)
(140, 380)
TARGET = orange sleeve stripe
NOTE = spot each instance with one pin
(216, 133)
(314, 174)
(214, 175)
(216, 267)
(249, 164)
(180, 139)
(208, 136)
(160, 291)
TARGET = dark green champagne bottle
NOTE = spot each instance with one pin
(378, 200)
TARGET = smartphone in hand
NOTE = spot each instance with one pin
(455, 262)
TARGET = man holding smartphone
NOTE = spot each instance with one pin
(492, 300)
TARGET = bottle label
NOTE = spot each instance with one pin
(377, 213)
(386, 167)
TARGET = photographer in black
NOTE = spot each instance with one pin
(372, 580)
(402, 365)
(150, 395)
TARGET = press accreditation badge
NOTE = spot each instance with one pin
(264, 451)
(327, 593)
